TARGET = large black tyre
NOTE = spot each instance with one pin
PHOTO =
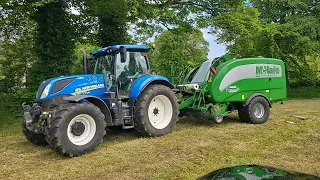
(33, 137)
(156, 104)
(76, 129)
(256, 112)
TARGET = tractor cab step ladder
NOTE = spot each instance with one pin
(121, 113)
(127, 116)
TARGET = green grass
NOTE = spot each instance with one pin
(195, 147)
(304, 93)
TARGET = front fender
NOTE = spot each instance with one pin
(146, 80)
(96, 101)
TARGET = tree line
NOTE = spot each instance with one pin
(40, 39)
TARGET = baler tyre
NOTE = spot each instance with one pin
(76, 129)
(156, 111)
(257, 111)
(34, 138)
(218, 118)
(243, 114)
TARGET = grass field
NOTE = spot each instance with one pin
(196, 147)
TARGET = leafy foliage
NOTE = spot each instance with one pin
(39, 38)
(77, 66)
(183, 47)
(54, 43)
(287, 30)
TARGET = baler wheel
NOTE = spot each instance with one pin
(256, 112)
(217, 118)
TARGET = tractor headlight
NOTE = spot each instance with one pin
(45, 91)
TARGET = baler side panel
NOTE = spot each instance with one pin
(238, 79)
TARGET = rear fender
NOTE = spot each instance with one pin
(255, 95)
(97, 102)
(146, 81)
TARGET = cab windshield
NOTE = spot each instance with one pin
(104, 64)
(135, 64)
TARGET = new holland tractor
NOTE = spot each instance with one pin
(72, 112)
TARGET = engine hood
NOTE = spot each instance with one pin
(90, 84)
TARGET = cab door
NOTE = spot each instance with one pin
(128, 72)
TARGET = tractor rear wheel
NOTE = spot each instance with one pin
(76, 129)
(156, 111)
(33, 137)
(256, 112)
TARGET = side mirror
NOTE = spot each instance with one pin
(123, 54)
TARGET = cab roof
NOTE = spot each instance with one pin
(106, 50)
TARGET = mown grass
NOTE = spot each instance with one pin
(196, 147)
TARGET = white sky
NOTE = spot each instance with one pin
(215, 49)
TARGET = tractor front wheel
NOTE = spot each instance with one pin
(76, 129)
(156, 111)
(256, 112)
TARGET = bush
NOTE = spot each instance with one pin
(11, 110)
(304, 92)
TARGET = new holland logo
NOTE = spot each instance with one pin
(267, 71)
(87, 89)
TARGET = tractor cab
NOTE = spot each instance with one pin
(121, 66)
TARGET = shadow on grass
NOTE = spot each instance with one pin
(202, 119)
(120, 135)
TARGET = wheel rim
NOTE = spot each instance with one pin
(160, 112)
(81, 129)
(258, 110)
(219, 118)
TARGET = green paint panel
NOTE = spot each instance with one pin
(237, 79)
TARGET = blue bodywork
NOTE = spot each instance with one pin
(107, 49)
(93, 85)
(90, 84)
(144, 81)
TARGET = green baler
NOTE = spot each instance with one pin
(248, 85)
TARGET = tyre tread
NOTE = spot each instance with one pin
(53, 135)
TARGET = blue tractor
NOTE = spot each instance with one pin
(72, 112)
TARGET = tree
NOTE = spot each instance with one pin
(54, 43)
(297, 37)
(287, 30)
(104, 21)
(77, 66)
(181, 47)
(17, 44)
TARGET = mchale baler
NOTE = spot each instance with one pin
(72, 112)
(221, 85)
